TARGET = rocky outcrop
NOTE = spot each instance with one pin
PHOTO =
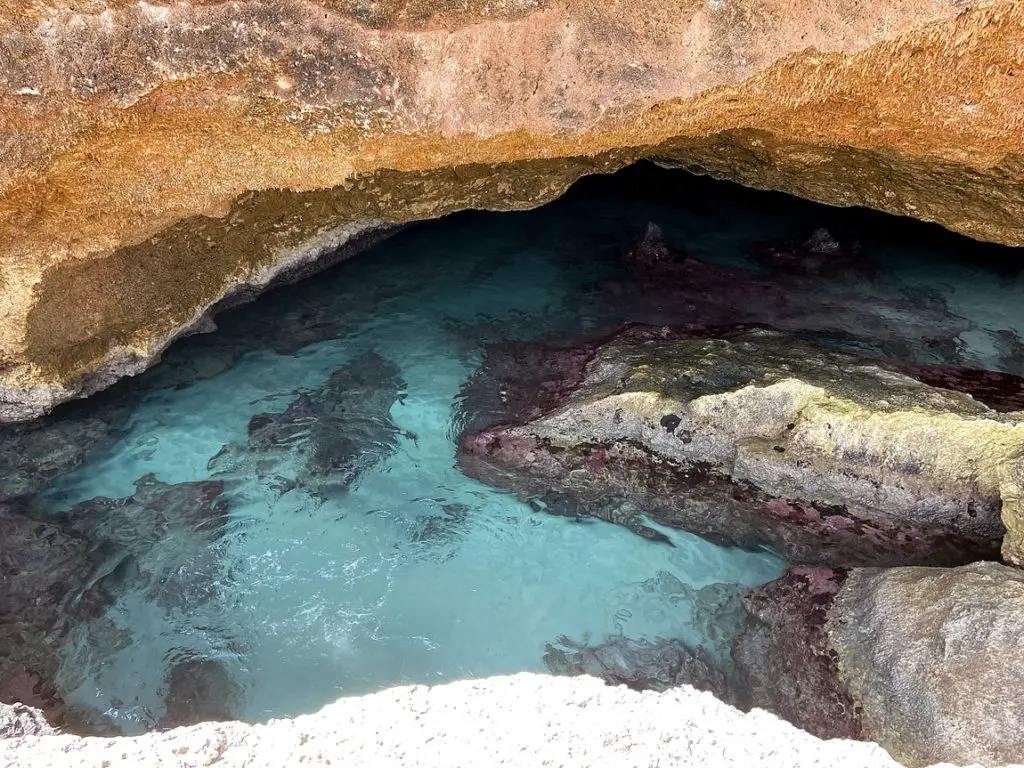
(521, 720)
(752, 437)
(17, 720)
(160, 158)
(929, 662)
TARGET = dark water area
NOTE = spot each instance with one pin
(272, 517)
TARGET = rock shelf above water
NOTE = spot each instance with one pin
(159, 160)
(753, 437)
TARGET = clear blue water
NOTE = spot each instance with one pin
(311, 596)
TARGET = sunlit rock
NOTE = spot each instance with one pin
(757, 438)
(160, 159)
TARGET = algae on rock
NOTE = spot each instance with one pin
(755, 437)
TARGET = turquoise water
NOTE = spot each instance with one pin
(415, 573)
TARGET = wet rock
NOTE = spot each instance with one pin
(18, 720)
(33, 455)
(199, 691)
(928, 662)
(158, 538)
(639, 664)
(59, 573)
(819, 255)
(827, 457)
(333, 434)
(666, 287)
(782, 656)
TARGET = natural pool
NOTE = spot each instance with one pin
(349, 553)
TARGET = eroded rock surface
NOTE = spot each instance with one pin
(926, 661)
(17, 720)
(520, 720)
(753, 437)
(158, 159)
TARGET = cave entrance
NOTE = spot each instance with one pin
(275, 515)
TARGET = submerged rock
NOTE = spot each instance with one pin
(928, 662)
(820, 254)
(640, 664)
(44, 590)
(59, 573)
(663, 286)
(756, 438)
(330, 435)
(33, 455)
(199, 691)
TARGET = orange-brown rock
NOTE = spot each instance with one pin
(158, 158)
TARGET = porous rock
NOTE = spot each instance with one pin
(161, 158)
(752, 437)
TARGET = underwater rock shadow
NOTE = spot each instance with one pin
(61, 572)
(332, 434)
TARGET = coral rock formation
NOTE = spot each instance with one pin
(753, 437)
(160, 158)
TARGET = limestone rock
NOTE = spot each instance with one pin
(520, 721)
(17, 720)
(159, 158)
(934, 658)
(754, 437)
(929, 662)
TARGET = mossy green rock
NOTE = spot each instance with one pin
(876, 466)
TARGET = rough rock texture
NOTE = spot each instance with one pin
(928, 662)
(934, 659)
(155, 158)
(753, 437)
(783, 659)
(521, 720)
(18, 720)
